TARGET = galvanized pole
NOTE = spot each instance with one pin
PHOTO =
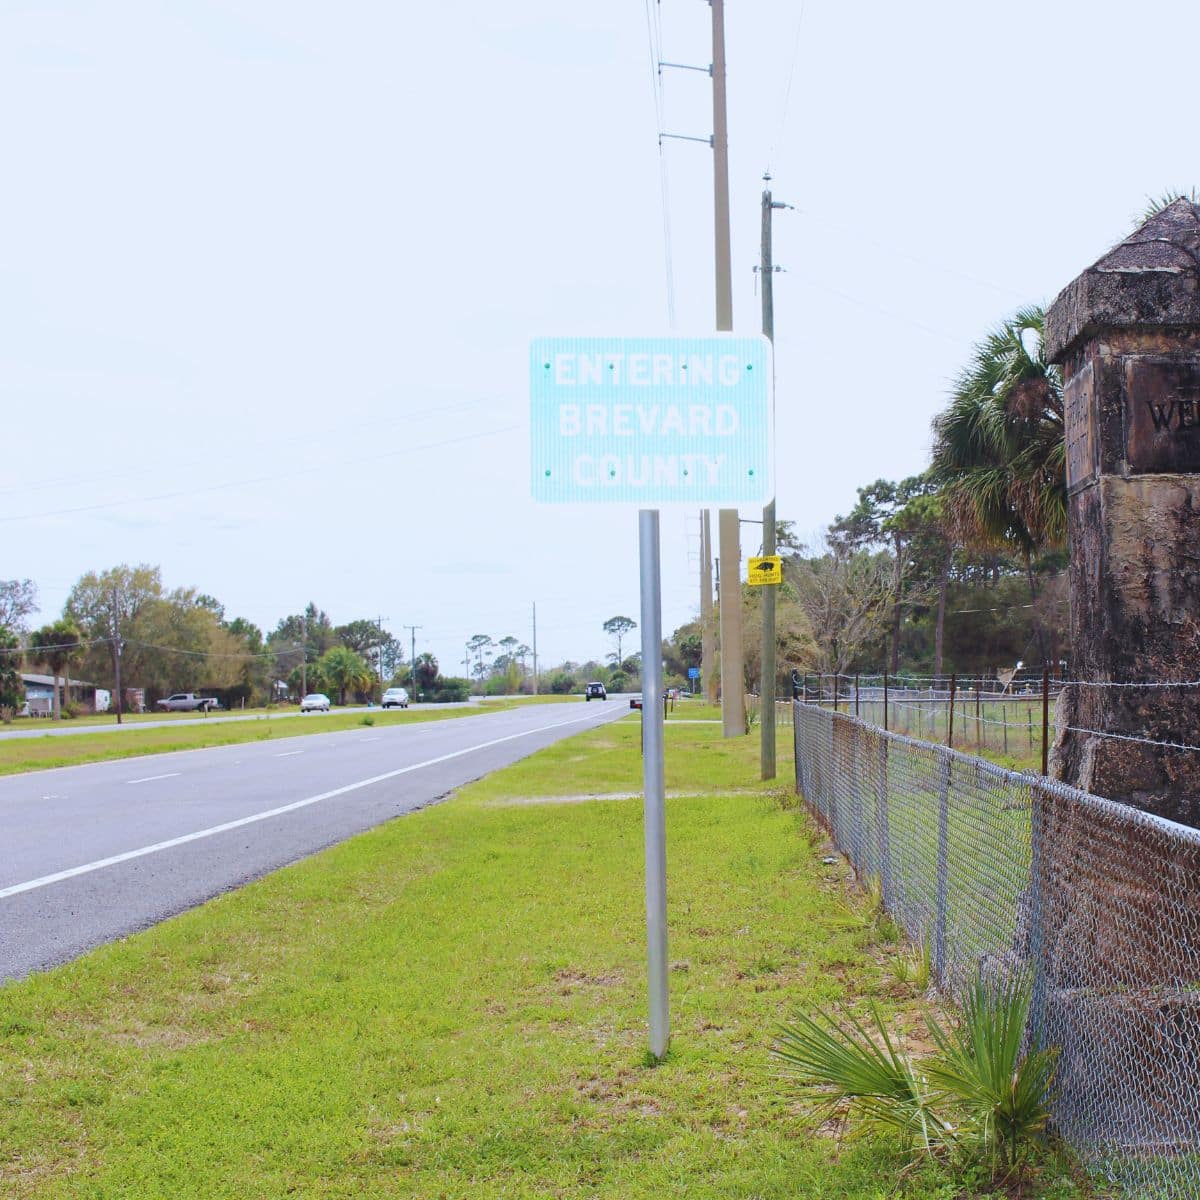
(653, 784)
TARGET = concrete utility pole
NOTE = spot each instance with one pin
(304, 659)
(535, 674)
(767, 684)
(733, 700)
(708, 647)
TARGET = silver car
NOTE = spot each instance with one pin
(395, 697)
(315, 702)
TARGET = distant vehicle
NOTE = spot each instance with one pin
(595, 691)
(315, 702)
(395, 698)
(188, 702)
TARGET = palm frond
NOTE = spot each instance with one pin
(842, 1064)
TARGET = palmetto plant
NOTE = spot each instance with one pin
(980, 1096)
(1002, 1092)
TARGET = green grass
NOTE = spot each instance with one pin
(33, 754)
(110, 718)
(453, 1005)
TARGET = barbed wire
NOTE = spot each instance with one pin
(962, 705)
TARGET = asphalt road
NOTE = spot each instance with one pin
(94, 852)
(44, 728)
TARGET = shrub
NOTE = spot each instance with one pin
(561, 684)
(367, 720)
(978, 1097)
(8, 714)
(451, 690)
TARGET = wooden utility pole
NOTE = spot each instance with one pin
(116, 649)
(733, 699)
(708, 643)
(535, 673)
(412, 664)
(379, 626)
(767, 685)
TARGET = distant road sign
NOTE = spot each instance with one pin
(651, 421)
(693, 672)
(766, 571)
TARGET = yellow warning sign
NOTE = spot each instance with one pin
(766, 571)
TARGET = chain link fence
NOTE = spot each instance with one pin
(997, 871)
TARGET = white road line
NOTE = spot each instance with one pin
(289, 753)
(368, 739)
(30, 885)
(150, 778)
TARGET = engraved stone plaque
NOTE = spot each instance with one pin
(1162, 415)
(1079, 419)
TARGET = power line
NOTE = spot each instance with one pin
(787, 92)
(655, 39)
(217, 487)
(269, 444)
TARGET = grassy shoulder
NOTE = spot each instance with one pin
(33, 754)
(454, 1005)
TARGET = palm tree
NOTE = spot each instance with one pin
(999, 451)
(425, 671)
(57, 646)
(345, 671)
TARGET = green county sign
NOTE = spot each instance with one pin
(651, 421)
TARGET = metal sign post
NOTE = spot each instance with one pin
(648, 422)
(653, 785)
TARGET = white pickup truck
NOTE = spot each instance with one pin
(188, 702)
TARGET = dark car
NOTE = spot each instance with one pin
(595, 691)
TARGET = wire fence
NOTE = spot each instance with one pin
(996, 871)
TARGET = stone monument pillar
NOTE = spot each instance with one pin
(1127, 334)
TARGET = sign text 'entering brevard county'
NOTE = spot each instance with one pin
(651, 421)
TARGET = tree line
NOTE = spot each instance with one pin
(181, 639)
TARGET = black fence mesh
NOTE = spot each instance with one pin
(997, 871)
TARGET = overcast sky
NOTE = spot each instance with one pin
(269, 270)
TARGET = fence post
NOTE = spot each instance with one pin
(796, 749)
(885, 702)
(943, 870)
(881, 825)
(978, 723)
(950, 726)
(1038, 816)
(1045, 720)
(856, 695)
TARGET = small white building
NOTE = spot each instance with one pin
(39, 694)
